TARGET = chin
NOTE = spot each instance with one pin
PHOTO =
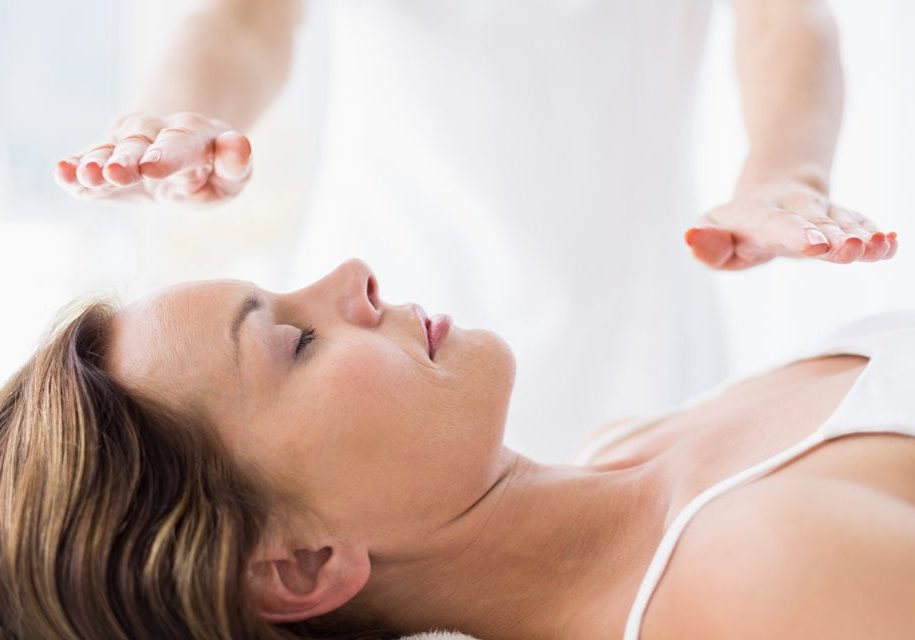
(507, 356)
(494, 368)
(494, 351)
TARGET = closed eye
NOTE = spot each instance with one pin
(308, 334)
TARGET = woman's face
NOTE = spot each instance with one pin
(361, 428)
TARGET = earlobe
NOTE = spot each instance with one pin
(306, 583)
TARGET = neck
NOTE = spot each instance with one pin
(547, 552)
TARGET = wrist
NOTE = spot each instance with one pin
(813, 174)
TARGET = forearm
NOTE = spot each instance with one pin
(227, 61)
(790, 77)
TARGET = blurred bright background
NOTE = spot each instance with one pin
(67, 69)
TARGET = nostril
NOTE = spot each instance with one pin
(371, 291)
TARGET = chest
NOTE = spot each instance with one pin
(760, 417)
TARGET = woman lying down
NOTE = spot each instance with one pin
(220, 461)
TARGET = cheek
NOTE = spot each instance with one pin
(372, 395)
(367, 411)
(382, 399)
(405, 437)
(379, 434)
(381, 380)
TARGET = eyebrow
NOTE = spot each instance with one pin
(249, 304)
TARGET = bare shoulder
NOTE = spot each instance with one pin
(792, 557)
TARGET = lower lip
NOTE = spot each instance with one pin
(438, 329)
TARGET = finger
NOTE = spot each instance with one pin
(882, 242)
(891, 238)
(65, 177)
(814, 209)
(133, 137)
(850, 222)
(225, 176)
(878, 246)
(843, 248)
(848, 250)
(718, 249)
(185, 143)
(879, 243)
(711, 245)
(89, 171)
(765, 232)
(789, 234)
(123, 167)
(231, 163)
(875, 247)
(65, 172)
(174, 150)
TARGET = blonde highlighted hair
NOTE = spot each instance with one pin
(119, 518)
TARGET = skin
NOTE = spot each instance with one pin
(231, 58)
(514, 531)
(821, 548)
(388, 484)
(790, 76)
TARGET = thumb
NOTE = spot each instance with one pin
(232, 157)
(711, 245)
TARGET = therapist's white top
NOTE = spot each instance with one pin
(880, 400)
(523, 166)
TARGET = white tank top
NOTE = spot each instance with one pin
(523, 166)
(880, 400)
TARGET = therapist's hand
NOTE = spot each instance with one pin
(183, 157)
(787, 217)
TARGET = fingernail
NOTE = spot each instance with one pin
(151, 156)
(119, 160)
(814, 237)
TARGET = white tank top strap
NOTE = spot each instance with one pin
(669, 541)
(880, 400)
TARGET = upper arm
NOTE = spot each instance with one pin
(268, 19)
(757, 16)
(793, 559)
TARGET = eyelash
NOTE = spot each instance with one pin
(308, 334)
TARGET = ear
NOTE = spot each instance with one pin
(304, 584)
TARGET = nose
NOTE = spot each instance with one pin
(349, 292)
(355, 289)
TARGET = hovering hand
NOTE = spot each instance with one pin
(184, 157)
(786, 217)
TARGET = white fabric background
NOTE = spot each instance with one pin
(776, 308)
(65, 71)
